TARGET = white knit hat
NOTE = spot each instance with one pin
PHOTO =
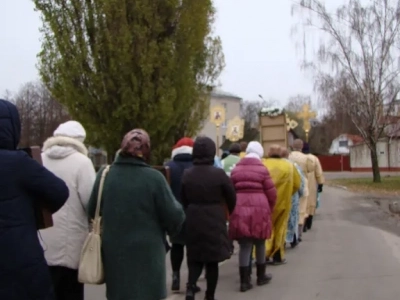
(72, 129)
(255, 148)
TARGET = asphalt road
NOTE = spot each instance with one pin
(352, 253)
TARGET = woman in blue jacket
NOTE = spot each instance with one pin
(24, 274)
(181, 159)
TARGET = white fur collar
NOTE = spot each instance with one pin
(64, 141)
(182, 150)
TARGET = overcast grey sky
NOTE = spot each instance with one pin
(261, 57)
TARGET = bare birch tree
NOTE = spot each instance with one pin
(295, 103)
(358, 61)
(250, 111)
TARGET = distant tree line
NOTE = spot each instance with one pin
(40, 113)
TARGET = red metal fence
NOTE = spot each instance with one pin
(335, 163)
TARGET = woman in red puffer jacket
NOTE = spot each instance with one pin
(250, 223)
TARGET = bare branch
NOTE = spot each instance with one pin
(361, 48)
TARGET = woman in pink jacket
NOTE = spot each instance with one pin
(250, 223)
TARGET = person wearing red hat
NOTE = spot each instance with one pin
(181, 159)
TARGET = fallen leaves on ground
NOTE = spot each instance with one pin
(390, 185)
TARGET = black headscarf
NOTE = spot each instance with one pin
(10, 125)
(204, 151)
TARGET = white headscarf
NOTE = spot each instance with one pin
(255, 150)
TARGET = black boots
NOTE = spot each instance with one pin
(309, 222)
(245, 279)
(190, 291)
(294, 243)
(262, 277)
(176, 282)
(209, 297)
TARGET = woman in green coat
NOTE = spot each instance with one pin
(138, 209)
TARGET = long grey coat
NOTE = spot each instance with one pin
(138, 209)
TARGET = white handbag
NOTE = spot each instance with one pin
(91, 264)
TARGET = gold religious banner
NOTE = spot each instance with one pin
(306, 115)
(217, 117)
(235, 129)
(290, 124)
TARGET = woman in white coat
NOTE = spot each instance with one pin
(66, 156)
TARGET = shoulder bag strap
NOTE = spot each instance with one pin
(100, 192)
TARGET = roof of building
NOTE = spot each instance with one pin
(356, 139)
(218, 93)
(382, 139)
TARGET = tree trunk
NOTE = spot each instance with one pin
(374, 162)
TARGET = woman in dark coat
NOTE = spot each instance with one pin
(138, 209)
(181, 160)
(206, 193)
(24, 274)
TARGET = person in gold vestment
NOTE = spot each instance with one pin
(315, 185)
(287, 181)
(307, 166)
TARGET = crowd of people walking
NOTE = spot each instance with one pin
(263, 201)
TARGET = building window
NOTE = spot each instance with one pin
(344, 144)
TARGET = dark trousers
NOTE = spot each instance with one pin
(66, 284)
(309, 222)
(251, 260)
(295, 241)
(177, 254)
(212, 271)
